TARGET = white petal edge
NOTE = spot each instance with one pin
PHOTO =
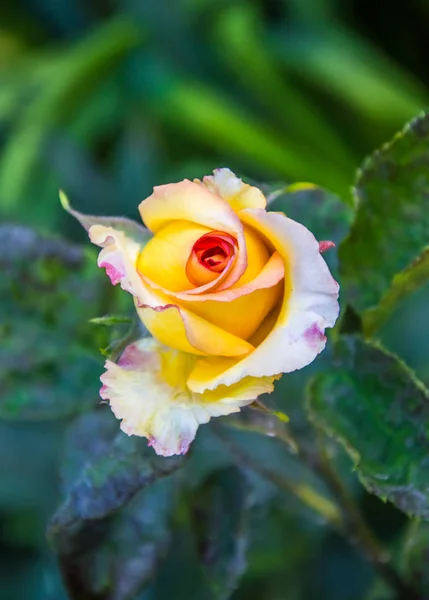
(232, 189)
(119, 257)
(165, 411)
(298, 335)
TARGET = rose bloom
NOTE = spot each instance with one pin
(232, 295)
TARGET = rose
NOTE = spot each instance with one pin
(232, 295)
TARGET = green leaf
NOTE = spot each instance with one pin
(126, 466)
(379, 411)
(321, 211)
(208, 114)
(403, 284)
(109, 320)
(130, 228)
(221, 511)
(416, 555)
(241, 42)
(391, 230)
(113, 528)
(49, 361)
(73, 76)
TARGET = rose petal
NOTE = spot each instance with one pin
(180, 328)
(188, 201)
(263, 271)
(147, 391)
(232, 189)
(326, 245)
(248, 302)
(175, 326)
(310, 305)
(163, 260)
(270, 274)
(119, 257)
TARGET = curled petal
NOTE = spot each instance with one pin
(174, 325)
(189, 201)
(264, 271)
(271, 274)
(325, 245)
(180, 328)
(119, 257)
(238, 310)
(164, 259)
(147, 391)
(232, 189)
(310, 305)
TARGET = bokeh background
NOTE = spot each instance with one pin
(106, 98)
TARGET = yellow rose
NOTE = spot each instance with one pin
(233, 296)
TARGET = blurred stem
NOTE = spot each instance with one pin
(305, 493)
(353, 523)
(344, 515)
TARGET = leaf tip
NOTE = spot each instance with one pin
(64, 200)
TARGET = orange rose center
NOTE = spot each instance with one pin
(213, 250)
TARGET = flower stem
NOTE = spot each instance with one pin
(344, 514)
(353, 523)
(305, 493)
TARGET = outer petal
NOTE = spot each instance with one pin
(310, 305)
(238, 194)
(188, 201)
(182, 329)
(175, 326)
(147, 391)
(119, 257)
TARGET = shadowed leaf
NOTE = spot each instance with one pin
(113, 527)
(49, 289)
(416, 555)
(321, 211)
(221, 516)
(374, 406)
(391, 228)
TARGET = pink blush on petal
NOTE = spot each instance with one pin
(103, 391)
(112, 272)
(314, 336)
(134, 358)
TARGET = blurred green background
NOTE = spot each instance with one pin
(106, 99)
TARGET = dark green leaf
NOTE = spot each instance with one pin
(221, 513)
(322, 212)
(403, 284)
(126, 466)
(375, 407)
(416, 556)
(49, 358)
(391, 228)
(76, 389)
(113, 526)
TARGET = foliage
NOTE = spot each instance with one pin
(106, 101)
